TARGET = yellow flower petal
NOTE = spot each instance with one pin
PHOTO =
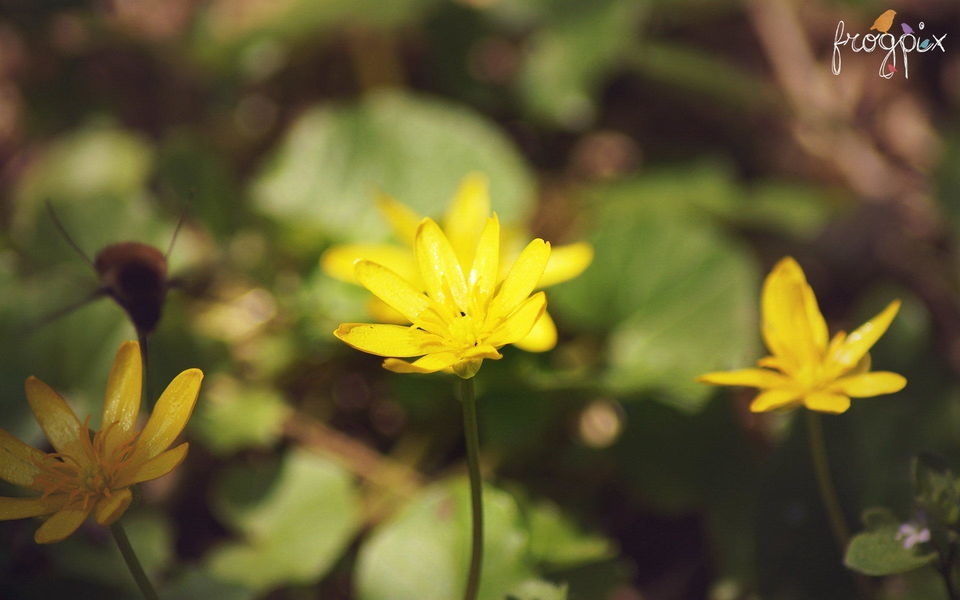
(55, 417)
(542, 337)
(110, 508)
(431, 363)
(121, 403)
(384, 313)
(481, 351)
(773, 362)
(23, 508)
(758, 378)
(170, 415)
(522, 279)
(486, 263)
(388, 340)
(856, 345)
(566, 262)
(520, 322)
(774, 399)
(339, 261)
(793, 327)
(60, 525)
(392, 289)
(466, 216)
(402, 220)
(440, 268)
(864, 385)
(158, 466)
(827, 402)
(18, 461)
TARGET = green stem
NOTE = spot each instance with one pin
(133, 563)
(828, 495)
(821, 466)
(471, 431)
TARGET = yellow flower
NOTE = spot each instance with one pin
(91, 472)
(457, 318)
(804, 367)
(463, 223)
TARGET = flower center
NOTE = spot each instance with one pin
(464, 329)
(87, 475)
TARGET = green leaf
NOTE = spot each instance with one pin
(704, 75)
(678, 296)
(557, 542)
(423, 552)
(262, 34)
(538, 590)
(195, 583)
(293, 533)
(879, 552)
(324, 176)
(234, 417)
(570, 55)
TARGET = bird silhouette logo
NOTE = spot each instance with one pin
(884, 22)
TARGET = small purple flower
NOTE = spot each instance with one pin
(912, 534)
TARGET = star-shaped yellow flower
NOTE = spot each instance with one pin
(805, 368)
(463, 224)
(458, 318)
(91, 472)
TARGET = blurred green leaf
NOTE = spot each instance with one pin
(324, 175)
(705, 75)
(571, 54)
(228, 33)
(538, 590)
(95, 179)
(557, 542)
(89, 162)
(234, 416)
(879, 551)
(676, 293)
(423, 552)
(198, 583)
(295, 532)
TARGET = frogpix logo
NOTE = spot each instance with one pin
(907, 43)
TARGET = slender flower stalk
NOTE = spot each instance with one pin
(471, 431)
(830, 499)
(828, 493)
(92, 472)
(132, 562)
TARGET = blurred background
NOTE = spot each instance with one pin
(693, 143)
